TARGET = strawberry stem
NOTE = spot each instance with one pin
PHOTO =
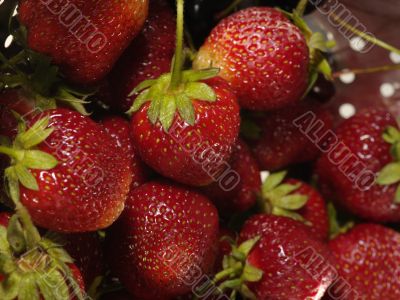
(33, 236)
(366, 36)
(176, 77)
(367, 70)
(301, 7)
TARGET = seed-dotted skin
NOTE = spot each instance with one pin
(65, 41)
(296, 265)
(165, 233)
(362, 135)
(193, 155)
(86, 191)
(119, 129)
(147, 57)
(244, 194)
(368, 258)
(261, 54)
(281, 143)
(314, 210)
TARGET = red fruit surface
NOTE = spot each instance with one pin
(164, 232)
(119, 129)
(86, 191)
(261, 54)
(361, 137)
(4, 218)
(295, 264)
(244, 194)
(314, 210)
(13, 100)
(87, 251)
(84, 38)
(193, 155)
(368, 259)
(281, 142)
(147, 57)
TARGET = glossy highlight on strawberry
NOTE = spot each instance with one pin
(86, 191)
(348, 171)
(84, 38)
(165, 231)
(262, 55)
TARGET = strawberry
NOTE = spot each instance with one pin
(147, 57)
(368, 259)
(277, 258)
(164, 234)
(13, 100)
(295, 199)
(185, 123)
(119, 129)
(86, 250)
(244, 195)
(358, 169)
(280, 142)
(262, 55)
(83, 38)
(42, 270)
(71, 174)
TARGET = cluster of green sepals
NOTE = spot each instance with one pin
(33, 267)
(40, 80)
(280, 198)
(390, 174)
(237, 271)
(176, 90)
(24, 156)
(33, 273)
(317, 45)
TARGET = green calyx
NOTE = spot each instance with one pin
(280, 198)
(40, 79)
(390, 174)
(317, 45)
(165, 102)
(336, 228)
(176, 90)
(237, 271)
(24, 156)
(34, 273)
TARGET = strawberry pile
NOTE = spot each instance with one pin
(135, 166)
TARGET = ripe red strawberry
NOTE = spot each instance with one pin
(33, 272)
(244, 194)
(368, 259)
(190, 153)
(280, 260)
(353, 160)
(295, 199)
(147, 57)
(185, 123)
(86, 250)
(77, 181)
(280, 142)
(164, 233)
(261, 54)
(84, 38)
(120, 130)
